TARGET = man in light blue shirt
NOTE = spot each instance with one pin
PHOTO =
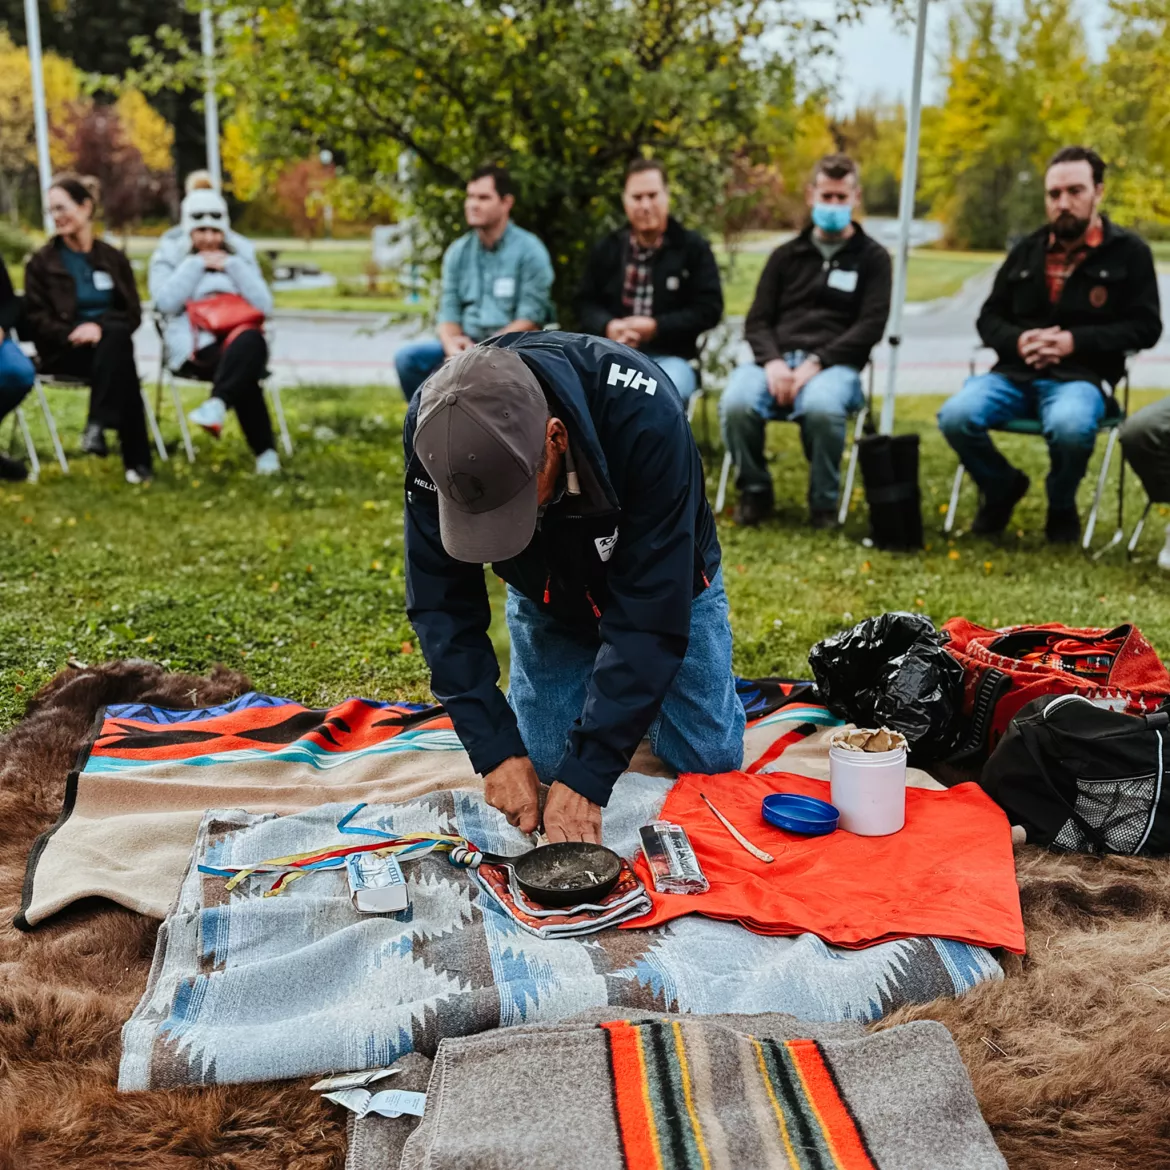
(496, 279)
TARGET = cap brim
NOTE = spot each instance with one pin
(498, 535)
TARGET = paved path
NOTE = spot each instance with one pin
(358, 348)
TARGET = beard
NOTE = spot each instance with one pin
(1067, 226)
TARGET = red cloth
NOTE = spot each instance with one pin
(949, 872)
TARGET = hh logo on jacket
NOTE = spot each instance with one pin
(634, 379)
(605, 545)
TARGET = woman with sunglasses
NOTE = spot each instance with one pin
(81, 311)
(207, 282)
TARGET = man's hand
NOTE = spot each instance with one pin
(804, 373)
(780, 382)
(514, 789)
(87, 333)
(569, 816)
(213, 261)
(457, 344)
(644, 327)
(618, 329)
(1045, 347)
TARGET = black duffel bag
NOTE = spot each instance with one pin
(1083, 778)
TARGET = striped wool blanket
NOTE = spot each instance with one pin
(250, 988)
(146, 775)
(724, 1093)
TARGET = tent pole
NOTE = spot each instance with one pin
(210, 104)
(32, 19)
(905, 216)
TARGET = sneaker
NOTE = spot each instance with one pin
(137, 475)
(822, 518)
(267, 462)
(12, 470)
(993, 515)
(1164, 555)
(1063, 526)
(753, 507)
(93, 440)
(210, 416)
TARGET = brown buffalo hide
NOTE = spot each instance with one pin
(1070, 1054)
(67, 988)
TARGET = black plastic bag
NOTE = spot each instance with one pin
(892, 671)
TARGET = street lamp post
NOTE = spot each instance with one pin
(210, 104)
(32, 20)
(905, 218)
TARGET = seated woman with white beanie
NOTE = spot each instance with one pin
(205, 279)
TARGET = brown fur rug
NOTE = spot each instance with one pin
(1070, 1055)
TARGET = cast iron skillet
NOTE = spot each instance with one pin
(568, 873)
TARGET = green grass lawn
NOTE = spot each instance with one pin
(333, 301)
(931, 274)
(299, 581)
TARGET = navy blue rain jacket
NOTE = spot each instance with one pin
(620, 563)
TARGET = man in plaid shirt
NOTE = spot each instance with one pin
(1071, 301)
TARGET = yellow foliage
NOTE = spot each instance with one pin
(243, 176)
(62, 96)
(147, 129)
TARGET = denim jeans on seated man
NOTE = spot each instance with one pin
(679, 371)
(16, 376)
(700, 727)
(1069, 414)
(415, 362)
(822, 408)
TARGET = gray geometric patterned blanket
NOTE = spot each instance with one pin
(247, 988)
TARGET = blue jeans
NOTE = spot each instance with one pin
(415, 362)
(700, 726)
(678, 370)
(16, 376)
(1069, 413)
(822, 408)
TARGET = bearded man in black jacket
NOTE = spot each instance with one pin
(1070, 302)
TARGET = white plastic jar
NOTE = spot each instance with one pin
(868, 788)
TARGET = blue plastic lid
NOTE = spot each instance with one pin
(800, 814)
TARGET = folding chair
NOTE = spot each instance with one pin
(1115, 414)
(167, 377)
(862, 423)
(699, 398)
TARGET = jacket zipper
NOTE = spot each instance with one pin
(593, 604)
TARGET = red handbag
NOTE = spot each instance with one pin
(1005, 669)
(226, 315)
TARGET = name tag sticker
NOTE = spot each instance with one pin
(843, 279)
(672, 283)
(504, 288)
(102, 281)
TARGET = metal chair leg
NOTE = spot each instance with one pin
(184, 429)
(285, 439)
(152, 421)
(51, 423)
(1137, 531)
(1091, 523)
(34, 462)
(693, 405)
(953, 507)
(721, 494)
(851, 472)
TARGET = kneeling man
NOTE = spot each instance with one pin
(567, 463)
(1071, 300)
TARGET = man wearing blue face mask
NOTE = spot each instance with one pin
(820, 308)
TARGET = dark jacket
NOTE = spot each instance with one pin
(806, 302)
(50, 296)
(688, 295)
(641, 482)
(1109, 303)
(9, 301)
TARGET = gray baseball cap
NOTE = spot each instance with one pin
(481, 426)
